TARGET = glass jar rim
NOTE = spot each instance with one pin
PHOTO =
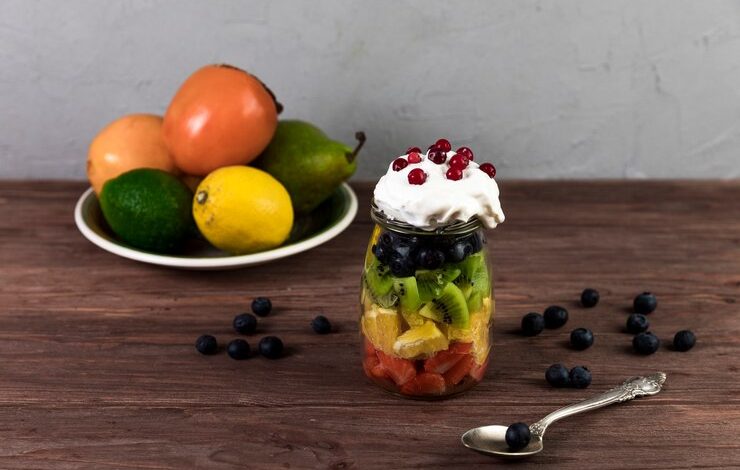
(454, 228)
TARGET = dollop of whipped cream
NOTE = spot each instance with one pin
(439, 201)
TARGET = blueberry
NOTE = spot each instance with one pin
(321, 325)
(684, 340)
(477, 240)
(645, 343)
(581, 338)
(382, 253)
(238, 349)
(589, 298)
(459, 251)
(532, 324)
(402, 250)
(557, 375)
(402, 267)
(555, 316)
(206, 344)
(431, 258)
(246, 323)
(261, 306)
(271, 347)
(580, 377)
(517, 436)
(637, 323)
(385, 240)
(645, 303)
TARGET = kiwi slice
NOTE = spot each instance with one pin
(431, 283)
(379, 283)
(407, 292)
(475, 301)
(473, 276)
(449, 308)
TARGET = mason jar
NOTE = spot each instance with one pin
(426, 308)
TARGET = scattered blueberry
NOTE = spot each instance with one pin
(580, 377)
(401, 266)
(321, 325)
(246, 323)
(645, 343)
(555, 316)
(581, 338)
(532, 324)
(238, 349)
(271, 347)
(206, 344)
(684, 340)
(430, 258)
(637, 323)
(517, 436)
(645, 303)
(558, 376)
(261, 306)
(589, 298)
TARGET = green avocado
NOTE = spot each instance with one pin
(149, 209)
(308, 163)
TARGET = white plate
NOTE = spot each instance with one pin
(340, 210)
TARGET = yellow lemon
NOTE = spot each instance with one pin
(241, 209)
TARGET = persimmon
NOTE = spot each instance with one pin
(220, 116)
(130, 142)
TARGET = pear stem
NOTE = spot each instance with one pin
(360, 136)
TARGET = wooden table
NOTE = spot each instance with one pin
(98, 368)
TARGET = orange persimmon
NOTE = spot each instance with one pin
(220, 116)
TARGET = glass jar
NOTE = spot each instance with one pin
(426, 308)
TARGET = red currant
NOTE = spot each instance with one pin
(443, 144)
(412, 150)
(438, 156)
(466, 151)
(454, 173)
(414, 157)
(459, 161)
(488, 169)
(399, 164)
(417, 176)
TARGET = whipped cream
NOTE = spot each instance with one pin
(439, 201)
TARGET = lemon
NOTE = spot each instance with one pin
(422, 340)
(381, 326)
(241, 209)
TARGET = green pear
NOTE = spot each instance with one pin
(309, 164)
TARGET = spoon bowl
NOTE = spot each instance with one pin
(491, 440)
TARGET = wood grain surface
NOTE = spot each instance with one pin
(98, 368)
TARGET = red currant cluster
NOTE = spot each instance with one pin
(438, 154)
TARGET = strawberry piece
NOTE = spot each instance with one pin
(369, 363)
(369, 348)
(426, 383)
(460, 348)
(442, 362)
(458, 372)
(479, 370)
(400, 370)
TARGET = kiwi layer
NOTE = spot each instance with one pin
(450, 308)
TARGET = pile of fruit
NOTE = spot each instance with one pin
(164, 180)
(427, 306)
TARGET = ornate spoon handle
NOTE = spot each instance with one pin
(630, 389)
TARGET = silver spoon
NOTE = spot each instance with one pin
(490, 439)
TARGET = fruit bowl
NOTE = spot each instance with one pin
(326, 222)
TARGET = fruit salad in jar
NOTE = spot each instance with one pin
(427, 298)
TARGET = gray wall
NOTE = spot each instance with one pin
(545, 89)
